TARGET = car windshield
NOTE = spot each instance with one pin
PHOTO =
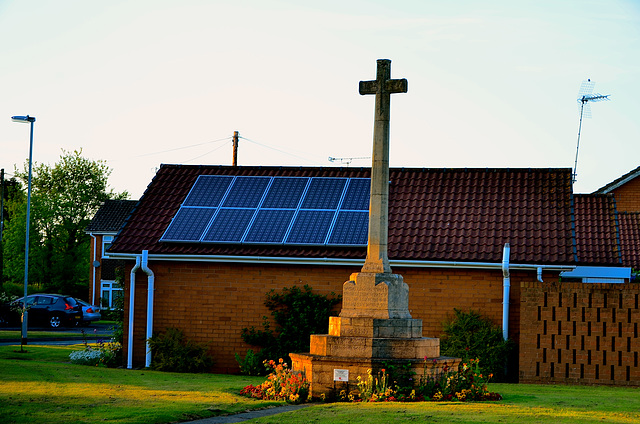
(71, 301)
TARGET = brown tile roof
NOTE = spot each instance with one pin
(629, 223)
(435, 215)
(111, 215)
(596, 229)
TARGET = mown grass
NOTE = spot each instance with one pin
(41, 386)
(13, 335)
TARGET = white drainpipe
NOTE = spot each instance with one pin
(539, 273)
(506, 290)
(150, 290)
(132, 292)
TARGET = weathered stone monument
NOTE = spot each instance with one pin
(374, 326)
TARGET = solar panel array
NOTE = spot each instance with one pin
(273, 210)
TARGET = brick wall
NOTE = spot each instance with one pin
(580, 333)
(628, 196)
(212, 302)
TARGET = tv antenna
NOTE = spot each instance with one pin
(346, 161)
(585, 95)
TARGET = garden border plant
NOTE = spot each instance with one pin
(472, 336)
(172, 351)
(106, 354)
(464, 384)
(298, 313)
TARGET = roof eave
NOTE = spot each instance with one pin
(341, 262)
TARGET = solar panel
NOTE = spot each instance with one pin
(351, 228)
(357, 196)
(285, 192)
(311, 227)
(208, 190)
(270, 226)
(246, 192)
(324, 193)
(274, 210)
(189, 224)
(229, 225)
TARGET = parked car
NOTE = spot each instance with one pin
(51, 310)
(90, 313)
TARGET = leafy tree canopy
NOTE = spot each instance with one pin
(64, 198)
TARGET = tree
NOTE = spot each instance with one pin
(10, 188)
(64, 198)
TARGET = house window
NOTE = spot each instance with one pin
(106, 243)
(109, 293)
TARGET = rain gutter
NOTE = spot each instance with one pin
(344, 262)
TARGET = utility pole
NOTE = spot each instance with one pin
(236, 137)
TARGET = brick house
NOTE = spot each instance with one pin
(103, 228)
(588, 333)
(447, 233)
(626, 193)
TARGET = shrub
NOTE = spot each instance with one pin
(282, 384)
(298, 313)
(172, 352)
(468, 335)
(252, 364)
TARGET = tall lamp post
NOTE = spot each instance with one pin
(31, 120)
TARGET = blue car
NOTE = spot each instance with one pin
(90, 313)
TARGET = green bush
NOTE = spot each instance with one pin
(468, 335)
(252, 364)
(172, 352)
(298, 313)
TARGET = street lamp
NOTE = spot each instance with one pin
(31, 120)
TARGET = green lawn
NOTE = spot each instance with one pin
(12, 335)
(41, 386)
(15, 335)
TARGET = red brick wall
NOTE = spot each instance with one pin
(628, 196)
(212, 302)
(580, 333)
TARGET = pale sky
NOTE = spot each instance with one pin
(491, 83)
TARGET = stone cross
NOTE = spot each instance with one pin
(383, 86)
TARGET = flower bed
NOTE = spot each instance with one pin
(466, 383)
(106, 354)
(282, 384)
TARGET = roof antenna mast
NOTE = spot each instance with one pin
(585, 95)
(346, 161)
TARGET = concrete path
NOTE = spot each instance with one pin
(245, 416)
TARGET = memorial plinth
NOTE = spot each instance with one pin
(375, 328)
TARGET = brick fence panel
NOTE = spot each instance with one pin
(579, 333)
